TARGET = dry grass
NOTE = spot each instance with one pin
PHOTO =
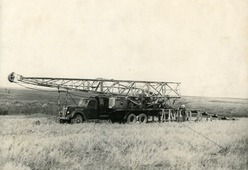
(38, 142)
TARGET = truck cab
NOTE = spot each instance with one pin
(87, 109)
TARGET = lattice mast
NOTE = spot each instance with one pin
(154, 89)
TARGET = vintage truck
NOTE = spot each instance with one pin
(116, 109)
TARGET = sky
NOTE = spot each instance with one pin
(201, 43)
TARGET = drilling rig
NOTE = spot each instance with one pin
(116, 100)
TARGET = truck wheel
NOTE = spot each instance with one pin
(131, 118)
(113, 120)
(143, 118)
(77, 119)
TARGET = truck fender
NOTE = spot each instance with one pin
(80, 113)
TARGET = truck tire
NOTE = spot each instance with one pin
(143, 118)
(77, 118)
(113, 120)
(131, 118)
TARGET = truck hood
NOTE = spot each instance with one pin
(74, 107)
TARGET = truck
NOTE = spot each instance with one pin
(123, 101)
(116, 109)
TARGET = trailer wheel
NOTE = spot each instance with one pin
(143, 118)
(131, 118)
(77, 119)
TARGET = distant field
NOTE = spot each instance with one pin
(38, 142)
(234, 107)
(30, 102)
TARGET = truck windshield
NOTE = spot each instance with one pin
(83, 102)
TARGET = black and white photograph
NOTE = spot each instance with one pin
(123, 84)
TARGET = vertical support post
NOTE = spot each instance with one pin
(164, 89)
(190, 115)
(66, 99)
(101, 86)
(88, 85)
(178, 115)
(174, 115)
(170, 116)
(148, 89)
(162, 119)
(58, 97)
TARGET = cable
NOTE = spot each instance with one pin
(72, 98)
(70, 94)
(204, 137)
(35, 88)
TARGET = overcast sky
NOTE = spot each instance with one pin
(201, 43)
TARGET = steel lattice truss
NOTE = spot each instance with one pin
(105, 86)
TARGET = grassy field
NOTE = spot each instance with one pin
(38, 142)
(31, 137)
